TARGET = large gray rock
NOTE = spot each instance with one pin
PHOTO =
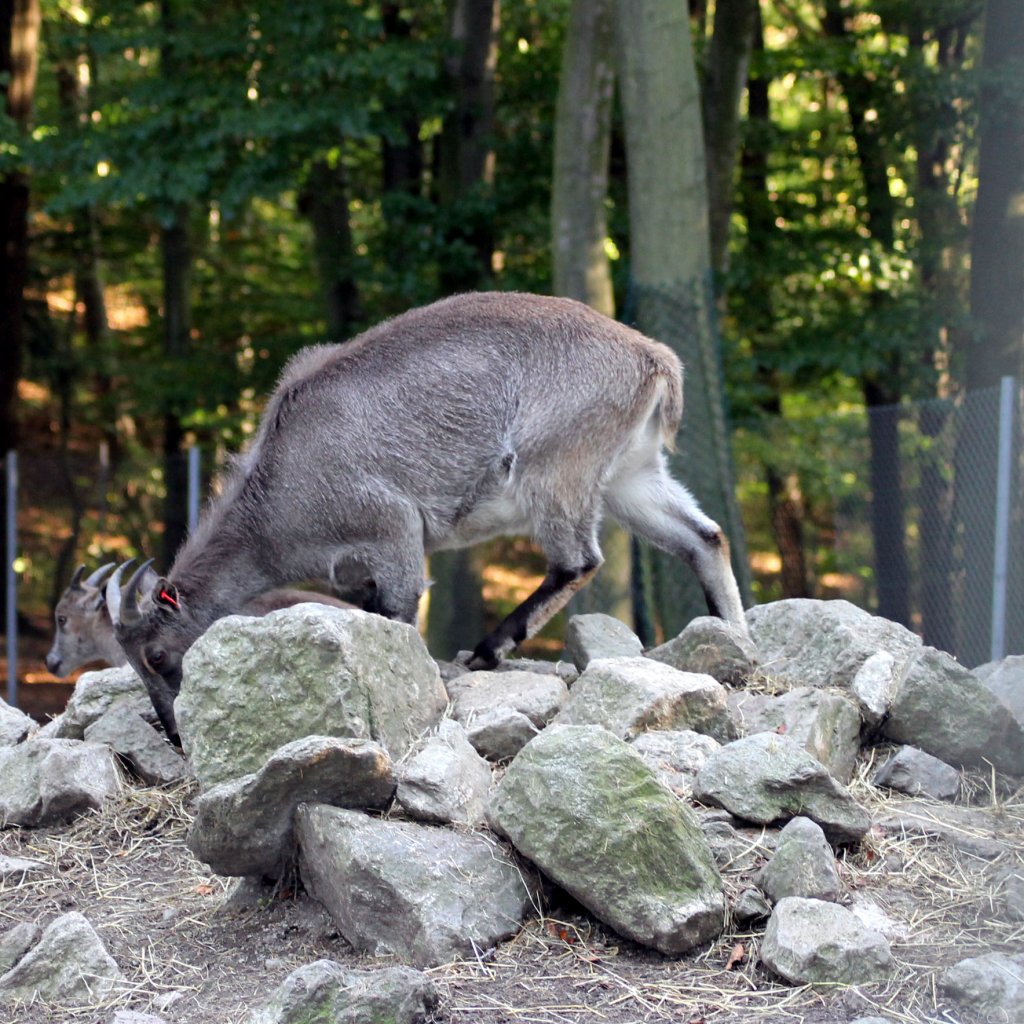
(944, 709)
(69, 965)
(802, 865)
(992, 984)
(445, 780)
(592, 636)
(245, 826)
(713, 647)
(628, 696)
(47, 781)
(916, 773)
(825, 724)
(253, 685)
(326, 991)
(766, 778)
(1005, 679)
(425, 894)
(145, 750)
(802, 642)
(94, 694)
(502, 711)
(583, 807)
(15, 725)
(811, 942)
(675, 756)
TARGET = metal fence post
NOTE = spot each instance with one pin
(1001, 547)
(11, 582)
(193, 487)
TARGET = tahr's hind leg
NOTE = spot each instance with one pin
(572, 562)
(651, 503)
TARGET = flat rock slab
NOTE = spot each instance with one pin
(628, 696)
(425, 894)
(583, 807)
(767, 778)
(69, 965)
(712, 647)
(245, 826)
(326, 991)
(813, 942)
(970, 829)
(146, 751)
(803, 642)
(253, 685)
(48, 781)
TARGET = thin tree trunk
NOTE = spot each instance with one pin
(670, 260)
(456, 615)
(325, 202)
(177, 261)
(996, 348)
(880, 389)
(579, 231)
(784, 508)
(583, 126)
(724, 81)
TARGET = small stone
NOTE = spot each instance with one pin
(592, 636)
(917, 773)
(803, 865)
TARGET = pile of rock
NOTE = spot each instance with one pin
(627, 779)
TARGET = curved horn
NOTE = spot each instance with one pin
(113, 592)
(130, 611)
(96, 578)
(76, 580)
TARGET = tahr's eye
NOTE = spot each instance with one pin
(62, 621)
(157, 658)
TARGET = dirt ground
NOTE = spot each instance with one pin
(192, 953)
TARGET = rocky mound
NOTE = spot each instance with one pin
(682, 834)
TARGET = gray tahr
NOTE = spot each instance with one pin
(479, 415)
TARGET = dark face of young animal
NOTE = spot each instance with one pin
(154, 632)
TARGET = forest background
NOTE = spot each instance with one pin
(818, 203)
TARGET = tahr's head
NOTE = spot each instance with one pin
(154, 629)
(83, 627)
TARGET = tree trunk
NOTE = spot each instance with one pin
(888, 511)
(177, 261)
(579, 189)
(724, 82)
(466, 144)
(783, 505)
(996, 348)
(456, 616)
(19, 38)
(325, 202)
(579, 232)
(670, 259)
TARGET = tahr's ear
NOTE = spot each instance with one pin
(165, 593)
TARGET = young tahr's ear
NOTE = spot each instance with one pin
(165, 594)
